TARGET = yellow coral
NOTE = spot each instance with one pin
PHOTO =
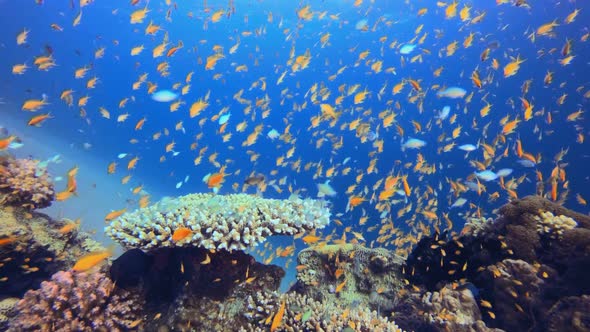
(554, 226)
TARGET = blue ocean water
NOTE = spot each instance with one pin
(271, 36)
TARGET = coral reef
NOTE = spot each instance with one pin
(24, 183)
(350, 274)
(193, 286)
(33, 248)
(521, 265)
(449, 309)
(232, 222)
(77, 301)
(302, 313)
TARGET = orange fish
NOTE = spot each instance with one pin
(37, 120)
(114, 214)
(5, 142)
(276, 321)
(181, 234)
(215, 180)
(69, 227)
(7, 240)
(91, 260)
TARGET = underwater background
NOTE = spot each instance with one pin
(409, 118)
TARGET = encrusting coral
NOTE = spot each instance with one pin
(77, 301)
(231, 222)
(24, 183)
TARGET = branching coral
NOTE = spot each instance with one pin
(24, 183)
(232, 222)
(76, 302)
(302, 313)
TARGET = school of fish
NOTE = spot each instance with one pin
(382, 156)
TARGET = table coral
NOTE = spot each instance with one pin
(73, 301)
(231, 222)
(24, 183)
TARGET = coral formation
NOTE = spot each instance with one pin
(552, 225)
(34, 248)
(449, 309)
(521, 265)
(24, 183)
(367, 277)
(194, 287)
(302, 313)
(232, 222)
(77, 301)
(7, 311)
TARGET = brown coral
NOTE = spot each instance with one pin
(24, 183)
(73, 301)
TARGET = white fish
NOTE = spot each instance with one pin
(186, 178)
(346, 160)
(467, 147)
(57, 179)
(486, 175)
(224, 118)
(459, 202)
(164, 96)
(526, 163)
(175, 153)
(325, 189)
(413, 143)
(444, 113)
(122, 155)
(273, 134)
(504, 172)
(179, 184)
(452, 92)
(407, 49)
(15, 145)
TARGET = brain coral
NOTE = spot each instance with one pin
(24, 183)
(73, 301)
(232, 222)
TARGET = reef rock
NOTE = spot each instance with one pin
(449, 309)
(569, 314)
(350, 275)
